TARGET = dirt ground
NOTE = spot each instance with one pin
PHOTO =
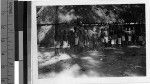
(102, 62)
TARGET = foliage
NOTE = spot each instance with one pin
(92, 14)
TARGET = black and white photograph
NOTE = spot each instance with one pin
(88, 42)
(91, 40)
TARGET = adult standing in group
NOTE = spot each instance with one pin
(71, 38)
(57, 42)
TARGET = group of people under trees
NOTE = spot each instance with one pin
(80, 37)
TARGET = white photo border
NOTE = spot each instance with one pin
(96, 80)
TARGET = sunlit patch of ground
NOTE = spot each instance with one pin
(134, 46)
(49, 58)
(43, 57)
